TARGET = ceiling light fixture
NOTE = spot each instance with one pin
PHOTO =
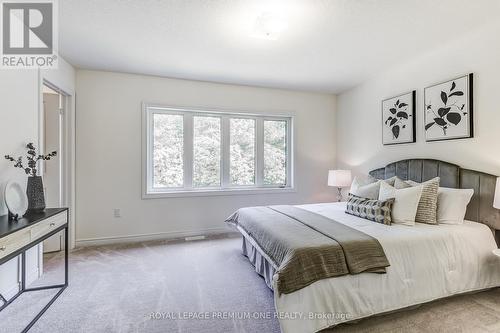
(268, 26)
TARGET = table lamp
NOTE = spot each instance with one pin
(339, 179)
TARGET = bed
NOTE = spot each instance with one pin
(427, 262)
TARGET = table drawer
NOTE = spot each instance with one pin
(45, 227)
(14, 242)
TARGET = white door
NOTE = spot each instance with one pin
(53, 103)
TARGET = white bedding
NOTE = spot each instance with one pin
(427, 262)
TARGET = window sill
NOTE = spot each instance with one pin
(217, 192)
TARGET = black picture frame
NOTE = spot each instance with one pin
(409, 125)
(461, 109)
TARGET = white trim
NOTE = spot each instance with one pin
(148, 192)
(219, 192)
(152, 236)
(222, 110)
(40, 259)
(32, 276)
(69, 148)
(65, 152)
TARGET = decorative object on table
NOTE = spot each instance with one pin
(448, 110)
(496, 201)
(34, 190)
(339, 179)
(15, 200)
(398, 116)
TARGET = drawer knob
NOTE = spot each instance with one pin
(52, 224)
(3, 248)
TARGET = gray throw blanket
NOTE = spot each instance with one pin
(306, 247)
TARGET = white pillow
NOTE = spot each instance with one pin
(369, 187)
(399, 183)
(358, 181)
(452, 205)
(369, 191)
(405, 206)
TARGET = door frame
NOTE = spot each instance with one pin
(68, 143)
(56, 108)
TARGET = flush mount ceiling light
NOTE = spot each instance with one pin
(268, 26)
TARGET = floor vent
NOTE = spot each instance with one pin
(194, 238)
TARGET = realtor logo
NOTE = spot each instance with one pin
(28, 34)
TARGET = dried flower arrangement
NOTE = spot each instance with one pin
(32, 157)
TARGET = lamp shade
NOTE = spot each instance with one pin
(339, 178)
(496, 201)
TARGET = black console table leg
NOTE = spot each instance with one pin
(63, 287)
(66, 249)
(23, 271)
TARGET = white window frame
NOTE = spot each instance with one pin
(226, 188)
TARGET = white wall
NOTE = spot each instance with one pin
(18, 126)
(20, 100)
(359, 128)
(109, 153)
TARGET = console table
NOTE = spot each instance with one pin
(18, 236)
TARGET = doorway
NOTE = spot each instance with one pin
(54, 102)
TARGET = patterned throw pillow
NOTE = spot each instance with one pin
(427, 207)
(373, 210)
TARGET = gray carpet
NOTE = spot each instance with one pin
(118, 288)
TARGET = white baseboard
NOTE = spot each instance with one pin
(150, 237)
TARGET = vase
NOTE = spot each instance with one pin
(34, 191)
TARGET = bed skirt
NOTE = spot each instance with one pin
(262, 266)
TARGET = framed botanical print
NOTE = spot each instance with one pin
(448, 110)
(398, 119)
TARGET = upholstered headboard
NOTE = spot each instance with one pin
(480, 208)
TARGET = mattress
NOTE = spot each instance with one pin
(427, 262)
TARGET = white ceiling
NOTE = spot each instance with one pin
(328, 46)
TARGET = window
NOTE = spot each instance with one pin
(207, 151)
(275, 145)
(168, 150)
(242, 151)
(198, 151)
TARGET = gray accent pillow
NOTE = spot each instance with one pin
(373, 210)
(427, 207)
